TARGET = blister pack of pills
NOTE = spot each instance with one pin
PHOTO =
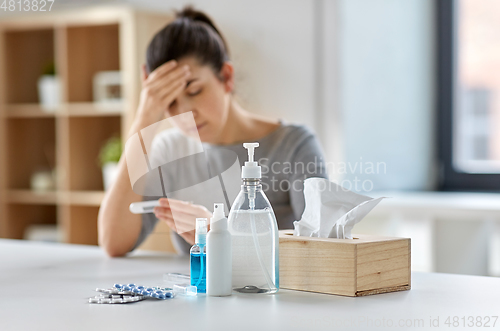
(130, 293)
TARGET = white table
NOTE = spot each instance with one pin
(46, 286)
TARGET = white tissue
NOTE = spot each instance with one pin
(331, 211)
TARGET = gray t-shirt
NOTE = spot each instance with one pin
(194, 171)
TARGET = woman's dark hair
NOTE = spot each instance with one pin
(192, 33)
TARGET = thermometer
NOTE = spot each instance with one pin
(143, 207)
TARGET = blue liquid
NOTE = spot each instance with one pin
(199, 263)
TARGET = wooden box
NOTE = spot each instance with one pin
(353, 267)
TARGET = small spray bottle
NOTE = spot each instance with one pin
(198, 255)
(219, 258)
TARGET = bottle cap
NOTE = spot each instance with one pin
(218, 220)
(251, 169)
(190, 290)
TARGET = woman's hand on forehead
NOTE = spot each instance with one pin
(160, 89)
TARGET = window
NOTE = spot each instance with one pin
(469, 94)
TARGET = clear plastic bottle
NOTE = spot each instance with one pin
(198, 255)
(254, 232)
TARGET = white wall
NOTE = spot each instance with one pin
(386, 88)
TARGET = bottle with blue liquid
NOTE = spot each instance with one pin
(198, 255)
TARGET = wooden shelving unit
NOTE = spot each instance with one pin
(81, 43)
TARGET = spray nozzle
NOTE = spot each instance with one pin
(251, 169)
(201, 231)
(201, 226)
(218, 211)
(218, 220)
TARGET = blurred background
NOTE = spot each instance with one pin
(403, 95)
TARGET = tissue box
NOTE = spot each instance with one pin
(361, 266)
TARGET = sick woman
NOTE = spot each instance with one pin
(188, 72)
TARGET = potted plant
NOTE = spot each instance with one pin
(49, 88)
(109, 156)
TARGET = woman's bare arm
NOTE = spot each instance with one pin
(118, 228)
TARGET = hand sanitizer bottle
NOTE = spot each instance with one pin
(219, 257)
(254, 233)
(198, 255)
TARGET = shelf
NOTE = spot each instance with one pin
(29, 52)
(77, 198)
(31, 197)
(87, 136)
(27, 110)
(90, 49)
(76, 109)
(80, 43)
(83, 226)
(21, 215)
(31, 148)
(79, 109)
(82, 198)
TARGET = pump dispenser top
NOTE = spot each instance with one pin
(251, 169)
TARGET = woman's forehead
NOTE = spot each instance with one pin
(192, 62)
(197, 69)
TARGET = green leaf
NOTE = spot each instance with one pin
(111, 151)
